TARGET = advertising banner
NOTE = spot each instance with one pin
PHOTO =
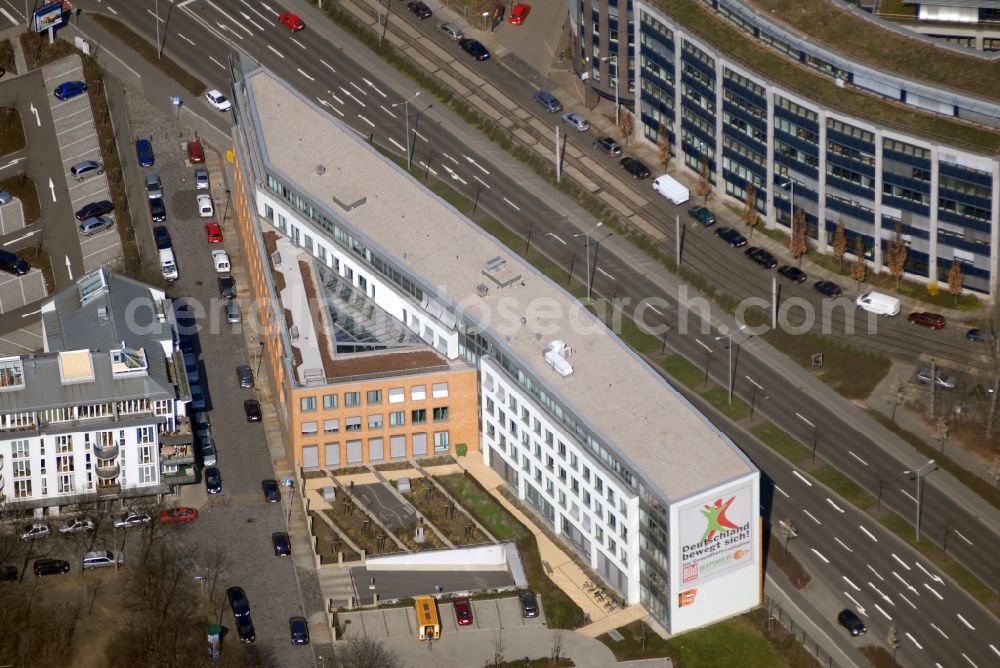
(49, 16)
(716, 535)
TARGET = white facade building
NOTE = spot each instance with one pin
(82, 421)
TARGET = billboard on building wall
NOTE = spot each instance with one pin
(716, 536)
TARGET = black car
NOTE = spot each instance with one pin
(794, 274)
(272, 493)
(299, 630)
(827, 288)
(252, 409)
(529, 604)
(244, 627)
(282, 544)
(635, 168)
(474, 48)
(13, 263)
(213, 480)
(51, 567)
(227, 287)
(157, 210)
(421, 10)
(761, 257)
(100, 208)
(161, 235)
(238, 602)
(852, 622)
(8, 573)
(609, 146)
(731, 236)
(702, 215)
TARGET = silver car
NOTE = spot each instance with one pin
(233, 314)
(452, 31)
(201, 179)
(940, 379)
(86, 169)
(154, 187)
(577, 121)
(95, 224)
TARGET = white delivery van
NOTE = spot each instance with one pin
(878, 303)
(671, 188)
(168, 266)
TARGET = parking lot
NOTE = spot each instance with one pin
(16, 291)
(493, 613)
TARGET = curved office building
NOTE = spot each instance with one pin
(810, 129)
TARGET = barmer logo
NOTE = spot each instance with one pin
(715, 518)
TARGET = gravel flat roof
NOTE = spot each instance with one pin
(625, 402)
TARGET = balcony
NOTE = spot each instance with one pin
(107, 472)
(107, 452)
(184, 475)
(105, 490)
(179, 437)
(177, 454)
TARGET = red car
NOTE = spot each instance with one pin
(518, 14)
(214, 233)
(196, 153)
(934, 320)
(293, 22)
(463, 611)
(178, 514)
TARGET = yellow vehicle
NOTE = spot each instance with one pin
(428, 623)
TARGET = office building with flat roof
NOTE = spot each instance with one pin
(639, 483)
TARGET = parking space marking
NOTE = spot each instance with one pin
(89, 121)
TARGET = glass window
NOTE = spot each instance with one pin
(329, 401)
(441, 414)
(331, 426)
(307, 404)
(441, 440)
(374, 397)
(308, 428)
(397, 395)
(352, 398)
(418, 416)
(352, 424)
(397, 418)
(439, 390)
(375, 421)
(418, 393)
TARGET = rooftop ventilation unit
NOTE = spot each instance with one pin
(555, 354)
(102, 313)
(496, 270)
(482, 290)
(320, 170)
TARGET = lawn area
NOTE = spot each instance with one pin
(782, 442)
(23, 187)
(852, 372)
(351, 520)
(328, 543)
(740, 641)
(683, 371)
(719, 397)
(11, 131)
(560, 610)
(844, 487)
(424, 496)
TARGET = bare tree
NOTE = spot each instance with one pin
(895, 257)
(365, 653)
(892, 638)
(788, 531)
(992, 340)
(942, 429)
(663, 149)
(557, 646)
(880, 479)
(797, 243)
(704, 186)
(955, 280)
(859, 269)
(625, 124)
(897, 396)
(750, 214)
(840, 243)
(995, 471)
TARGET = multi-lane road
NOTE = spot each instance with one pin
(355, 87)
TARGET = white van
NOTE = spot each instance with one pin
(878, 303)
(672, 189)
(168, 266)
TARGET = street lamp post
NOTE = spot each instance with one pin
(708, 357)
(614, 59)
(919, 474)
(406, 113)
(587, 234)
(729, 342)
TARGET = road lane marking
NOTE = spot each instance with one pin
(995, 650)
(811, 516)
(969, 660)
(835, 506)
(255, 24)
(373, 87)
(914, 641)
(351, 95)
(861, 608)
(782, 491)
(908, 601)
(186, 39)
(383, 108)
(366, 120)
(217, 62)
(420, 135)
(300, 44)
(853, 586)
(254, 10)
(912, 498)
(959, 534)
(303, 73)
(858, 458)
(877, 607)
(485, 185)
(902, 563)
(843, 544)
(905, 583)
(150, 12)
(965, 621)
(274, 50)
(517, 208)
(931, 590)
(9, 17)
(614, 279)
(935, 627)
(450, 158)
(928, 573)
(328, 65)
(398, 145)
(424, 165)
(359, 88)
(875, 572)
(801, 477)
(475, 164)
(868, 533)
(818, 554)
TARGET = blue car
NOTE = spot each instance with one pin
(69, 89)
(144, 151)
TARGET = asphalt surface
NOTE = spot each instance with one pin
(848, 439)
